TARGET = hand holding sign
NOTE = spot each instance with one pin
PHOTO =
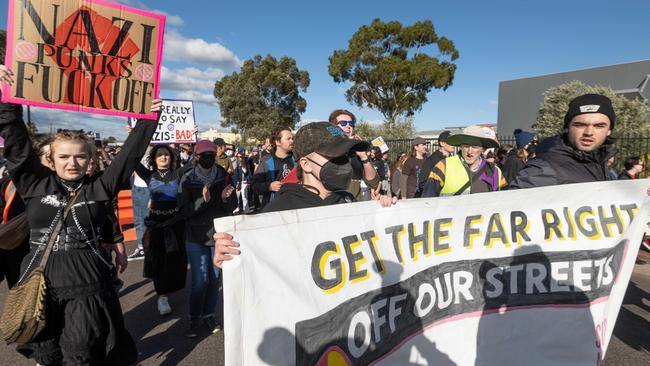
(5, 75)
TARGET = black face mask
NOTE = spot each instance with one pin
(336, 174)
(206, 161)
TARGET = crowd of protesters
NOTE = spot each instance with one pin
(178, 190)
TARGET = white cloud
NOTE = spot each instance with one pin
(172, 20)
(196, 50)
(198, 97)
(189, 78)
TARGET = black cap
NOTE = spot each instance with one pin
(590, 103)
(219, 141)
(326, 139)
(444, 135)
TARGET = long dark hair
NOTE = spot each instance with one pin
(151, 158)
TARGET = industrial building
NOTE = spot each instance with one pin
(519, 100)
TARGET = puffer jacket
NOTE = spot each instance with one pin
(559, 163)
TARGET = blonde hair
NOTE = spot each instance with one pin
(73, 136)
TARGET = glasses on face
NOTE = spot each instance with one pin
(346, 122)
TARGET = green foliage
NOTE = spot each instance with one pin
(404, 129)
(391, 67)
(263, 95)
(109, 140)
(631, 115)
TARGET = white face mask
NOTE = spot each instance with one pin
(228, 153)
(184, 155)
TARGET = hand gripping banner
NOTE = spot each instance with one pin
(531, 277)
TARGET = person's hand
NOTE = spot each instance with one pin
(206, 193)
(195, 130)
(121, 260)
(6, 75)
(356, 137)
(384, 201)
(156, 105)
(275, 186)
(227, 192)
(128, 128)
(363, 155)
(225, 248)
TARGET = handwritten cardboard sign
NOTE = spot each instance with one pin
(176, 124)
(86, 56)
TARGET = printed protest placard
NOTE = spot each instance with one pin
(176, 124)
(379, 142)
(87, 56)
(467, 280)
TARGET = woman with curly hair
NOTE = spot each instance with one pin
(165, 260)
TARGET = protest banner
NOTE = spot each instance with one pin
(380, 143)
(468, 280)
(176, 124)
(86, 56)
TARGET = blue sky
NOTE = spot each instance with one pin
(497, 40)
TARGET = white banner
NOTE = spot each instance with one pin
(176, 124)
(531, 277)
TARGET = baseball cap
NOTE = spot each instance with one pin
(326, 139)
(204, 146)
(419, 140)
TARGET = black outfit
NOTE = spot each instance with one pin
(559, 163)
(380, 167)
(512, 166)
(426, 169)
(358, 175)
(293, 196)
(165, 258)
(10, 259)
(84, 323)
(200, 214)
(268, 172)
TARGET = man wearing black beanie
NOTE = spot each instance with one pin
(580, 153)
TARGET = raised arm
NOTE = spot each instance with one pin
(143, 172)
(134, 147)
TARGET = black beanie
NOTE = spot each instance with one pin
(590, 103)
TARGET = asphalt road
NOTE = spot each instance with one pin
(160, 340)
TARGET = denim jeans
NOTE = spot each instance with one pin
(140, 197)
(205, 288)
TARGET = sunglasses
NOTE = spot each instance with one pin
(346, 122)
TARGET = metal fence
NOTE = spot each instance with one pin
(627, 145)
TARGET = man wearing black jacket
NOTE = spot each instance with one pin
(579, 154)
(444, 150)
(324, 171)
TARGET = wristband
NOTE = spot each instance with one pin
(365, 161)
